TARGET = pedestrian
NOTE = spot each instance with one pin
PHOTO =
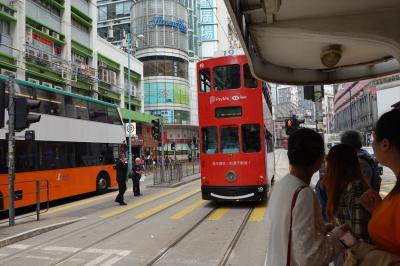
(122, 167)
(137, 171)
(369, 165)
(296, 233)
(345, 185)
(384, 226)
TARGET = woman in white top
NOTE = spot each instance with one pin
(312, 243)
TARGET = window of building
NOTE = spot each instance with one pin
(102, 13)
(79, 59)
(81, 27)
(229, 139)
(209, 137)
(4, 27)
(251, 138)
(249, 80)
(205, 80)
(227, 77)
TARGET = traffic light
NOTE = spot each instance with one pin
(291, 125)
(2, 102)
(173, 146)
(23, 118)
(155, 129)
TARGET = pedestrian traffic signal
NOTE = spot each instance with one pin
(23, 117)
(2, 102)
(155, 129)
(173, 146)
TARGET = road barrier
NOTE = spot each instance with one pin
(174, 172)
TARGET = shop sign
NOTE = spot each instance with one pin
(179, 23)
(41, 39)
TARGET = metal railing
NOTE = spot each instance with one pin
(174, 172)
(32, 189)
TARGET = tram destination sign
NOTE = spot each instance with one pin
(179, 23)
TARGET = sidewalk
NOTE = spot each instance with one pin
(28, 227)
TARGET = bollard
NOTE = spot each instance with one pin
(37, 200)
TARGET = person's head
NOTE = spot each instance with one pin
(352, 138)
(122, 155)
(342, 168)
(306, 150)
(386, 143)
(137, 160)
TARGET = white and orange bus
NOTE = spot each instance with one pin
(75, 144)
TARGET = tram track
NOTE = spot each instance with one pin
(89, 226)
(228, 251)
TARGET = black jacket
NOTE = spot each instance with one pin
(122, 167)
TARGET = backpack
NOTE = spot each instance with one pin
(376, 179)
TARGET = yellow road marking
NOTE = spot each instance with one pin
(165, 205)
(218, 214)
(258, 213)
(137, 204)
(188, 209)
(80, 203)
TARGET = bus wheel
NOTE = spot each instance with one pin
(102, 183)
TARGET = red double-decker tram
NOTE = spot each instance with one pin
(236, 126)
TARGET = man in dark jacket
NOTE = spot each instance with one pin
(137, 171)
(122, 167)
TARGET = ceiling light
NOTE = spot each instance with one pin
(331, 56)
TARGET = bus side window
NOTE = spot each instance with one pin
(205, 80)
(226, 77)
(209, 137)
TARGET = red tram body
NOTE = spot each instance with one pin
(235, 122)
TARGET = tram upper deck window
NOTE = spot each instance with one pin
(205, 80)
(251, 138)
(209, 137)
(229, 139)
(227, 77)
(249, 80)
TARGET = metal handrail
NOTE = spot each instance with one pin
(38, 190)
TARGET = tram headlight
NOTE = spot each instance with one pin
(230, 176)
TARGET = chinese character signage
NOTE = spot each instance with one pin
(208, 33)
(207, 16)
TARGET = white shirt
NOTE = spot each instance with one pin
(310, 244)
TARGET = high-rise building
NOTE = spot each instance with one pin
(55, 44)
(217, 32)
(165, 33)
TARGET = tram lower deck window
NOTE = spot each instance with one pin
(210, 141)
(229, 139)
(251, 138)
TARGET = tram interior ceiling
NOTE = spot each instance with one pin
(307, 42)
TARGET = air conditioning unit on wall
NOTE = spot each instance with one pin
(58, 87)
(47, 84)
(33, 80)
(55, 35)
(46, 30)
(8, 73)
(102, 64)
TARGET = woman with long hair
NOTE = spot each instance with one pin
(384, 226)
(345, 185)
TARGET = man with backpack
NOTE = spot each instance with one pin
(369, 165)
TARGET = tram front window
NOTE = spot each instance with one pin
(209, 137)
(229, 140)
(227, 77)
(251, 138)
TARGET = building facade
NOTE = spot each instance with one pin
(358, 105)
(217, 32)
(165, 33)
(55, 44)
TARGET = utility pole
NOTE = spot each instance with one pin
(11, 150)
(129, 105)
(162, 152)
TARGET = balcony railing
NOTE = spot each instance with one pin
(39, 13)
(45, 59)
(80, 36)
(82, 5)
(6, 44)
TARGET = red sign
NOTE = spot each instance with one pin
(42, 40)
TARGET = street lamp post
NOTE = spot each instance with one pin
(129, 103)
